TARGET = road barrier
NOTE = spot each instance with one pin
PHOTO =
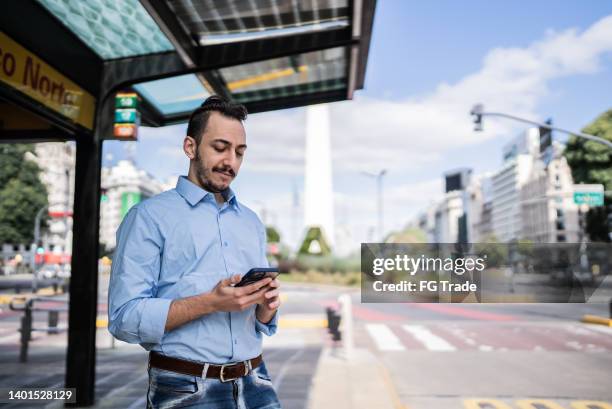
(28, 307)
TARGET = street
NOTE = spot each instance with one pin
(430, 356)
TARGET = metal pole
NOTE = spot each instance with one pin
(66, 207)
(81, 351)
(36, 239)
(26, 331)
(37, 224)
(545, 125)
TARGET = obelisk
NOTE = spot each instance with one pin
(318, 192)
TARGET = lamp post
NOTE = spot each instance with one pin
(478, 112)
(379, 193)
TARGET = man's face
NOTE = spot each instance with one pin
(219, 156)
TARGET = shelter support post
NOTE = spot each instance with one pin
(81, 354)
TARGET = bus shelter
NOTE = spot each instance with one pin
(62, 62)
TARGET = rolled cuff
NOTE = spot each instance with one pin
(270, 328)
(153, 319)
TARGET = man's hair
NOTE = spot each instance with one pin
(199, 118)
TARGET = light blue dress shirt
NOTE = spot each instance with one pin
(178, 244)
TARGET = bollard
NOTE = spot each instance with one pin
(26, 334)
(610, 308)
(333, 324)
(52, 322)
(329, 313)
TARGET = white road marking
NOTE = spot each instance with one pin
(384, 338)
(281, 373)
(431, 341)
(599, 328)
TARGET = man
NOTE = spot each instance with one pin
(171, 289)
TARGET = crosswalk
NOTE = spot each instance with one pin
(384, 338)
(452, 337)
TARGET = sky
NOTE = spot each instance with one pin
(429, 63)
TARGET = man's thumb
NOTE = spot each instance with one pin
(226, 282)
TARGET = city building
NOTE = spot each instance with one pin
(479, 208)
(56, 161)
(451, 217)
(506, 184)
(426, 222)
(123, 186)
(446, 217)
(549, 214)
(506, 204)
(529, 198)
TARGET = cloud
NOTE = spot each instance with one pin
(276, 142)
(408, 133)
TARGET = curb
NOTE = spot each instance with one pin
(320, 286)
(44, 292)
(594, 319)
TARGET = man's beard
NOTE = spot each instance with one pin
(204, 176)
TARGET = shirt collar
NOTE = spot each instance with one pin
(193, 193)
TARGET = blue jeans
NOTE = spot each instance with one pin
(174, 390)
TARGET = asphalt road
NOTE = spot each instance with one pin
(494, 356)
(490, 356)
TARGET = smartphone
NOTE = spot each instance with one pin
(256, 274)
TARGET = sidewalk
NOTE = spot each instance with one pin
(359, 383)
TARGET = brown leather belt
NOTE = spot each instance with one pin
(227, 372)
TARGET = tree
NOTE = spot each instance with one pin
(407, 235)
(591, 162)
(272, 235)
(314, 243)
(22, 194)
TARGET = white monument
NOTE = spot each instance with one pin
(318, 192)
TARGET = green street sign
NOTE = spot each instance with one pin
(589, 198)
(125, 116)
(129, 199)
(126, 100)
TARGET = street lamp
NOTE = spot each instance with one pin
(378, 176)
(478, 112)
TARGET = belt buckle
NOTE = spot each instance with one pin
(223, 379)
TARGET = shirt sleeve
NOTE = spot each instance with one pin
(134, 314)
(270, 328)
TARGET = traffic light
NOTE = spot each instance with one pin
(476, 112)
(545, 136)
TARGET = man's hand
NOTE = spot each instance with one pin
(267, 307)
(225, 297)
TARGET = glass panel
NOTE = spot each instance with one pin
(212, 22)
(173, 95)
(317, 71)
(112, 28)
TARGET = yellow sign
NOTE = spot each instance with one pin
(27, 73)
